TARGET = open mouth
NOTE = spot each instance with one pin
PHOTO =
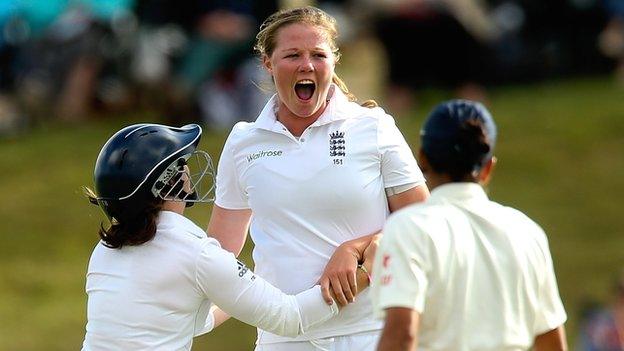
(305, 89)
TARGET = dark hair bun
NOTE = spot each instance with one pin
(472, 140)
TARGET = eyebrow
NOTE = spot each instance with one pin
(296, 49)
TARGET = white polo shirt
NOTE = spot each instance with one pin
(310, 194)
(479, 273)
(156, 296)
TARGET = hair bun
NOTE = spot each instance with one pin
(472, 140)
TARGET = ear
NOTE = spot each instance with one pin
(486, 172)
(266, 63)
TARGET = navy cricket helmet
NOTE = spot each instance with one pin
(142, 162)
(441, 135)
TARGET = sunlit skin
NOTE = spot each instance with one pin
(302, 51)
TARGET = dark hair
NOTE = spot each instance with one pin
(133, 231)
(467, 154)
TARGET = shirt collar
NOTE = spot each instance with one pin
(459, 192)
(169, 220)
(338, 108)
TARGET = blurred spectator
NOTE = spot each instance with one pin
(213, 80)
(467, 45)
(66, 46)
(559, 39)
(450, 40)
(193, 59)
(10, 38)
(603, 328)
(611, 40)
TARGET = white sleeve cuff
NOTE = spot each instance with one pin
(313, 308)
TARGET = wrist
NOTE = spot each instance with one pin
(366, 272)
(352, 249)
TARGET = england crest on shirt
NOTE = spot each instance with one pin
(337, 144)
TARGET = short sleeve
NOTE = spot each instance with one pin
(398, 165)
(229, 192)
(399, 273)
(550, 313)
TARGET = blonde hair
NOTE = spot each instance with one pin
(266, 37)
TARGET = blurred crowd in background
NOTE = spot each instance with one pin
(192, 60)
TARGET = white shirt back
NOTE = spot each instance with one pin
(479, 273)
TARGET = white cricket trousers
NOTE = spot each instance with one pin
(366, 341)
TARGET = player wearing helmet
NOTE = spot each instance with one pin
(461, 272)
(154, 276)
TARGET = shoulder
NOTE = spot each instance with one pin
(179, 229)
(376, 115)
(521, 218)
(374, 120)
(521, 224)
(240, 131)
(244, 134)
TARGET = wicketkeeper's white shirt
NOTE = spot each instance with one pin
(310, 194)
(479, 273)
(157, 296)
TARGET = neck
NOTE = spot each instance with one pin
(296, 125)
(174, 206)
(434, 180)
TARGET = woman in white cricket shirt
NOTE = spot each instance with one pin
(461, 272)
(317, 175)
(153, 277)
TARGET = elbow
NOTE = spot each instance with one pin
(407, 340)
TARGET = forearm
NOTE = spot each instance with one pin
(400, 330)
(229, 227)
(250, 299)
(393, 341)
(267, 308)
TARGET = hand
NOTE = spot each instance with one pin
(339, 275)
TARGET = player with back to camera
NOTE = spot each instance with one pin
(459, 271)
(154, 276)
(315, 176)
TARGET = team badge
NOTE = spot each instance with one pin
(337, 147)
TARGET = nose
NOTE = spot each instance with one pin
(306, 65)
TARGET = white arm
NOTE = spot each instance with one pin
(247, 297)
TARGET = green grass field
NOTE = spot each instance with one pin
(561, 160)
